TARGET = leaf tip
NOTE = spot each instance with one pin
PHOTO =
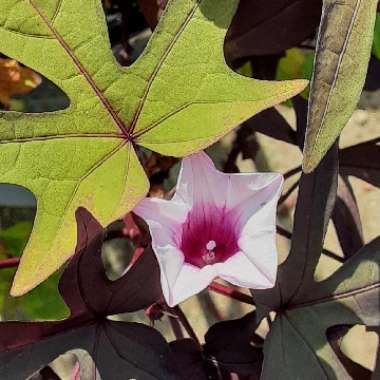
(299, 85)
(313, 153)
(308, 165)
(20, 288)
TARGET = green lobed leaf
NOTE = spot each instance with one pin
(343, 52)
(176, 99)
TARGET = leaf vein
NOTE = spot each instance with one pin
(159, 65)
(61, 137)
(336, 74)
(80, 181)
(107, 105)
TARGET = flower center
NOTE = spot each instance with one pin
(208, 236)
(209, 256)
(211, 245)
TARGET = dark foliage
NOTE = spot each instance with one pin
(117, 348)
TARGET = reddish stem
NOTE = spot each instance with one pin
(176, 327)
(9, 263)
(230, 292)
(186, 324)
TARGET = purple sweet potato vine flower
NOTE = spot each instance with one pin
(216, 225)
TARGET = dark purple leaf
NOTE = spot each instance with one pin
(264, 27)
(316, 199)
(298, 340)
(235, 346)
(263, 66)
(259, 27)
(362, 161)
(189, 359)
(373, 75)
(119, 350)
(45, 374)
(300, 108)
(271, 123)
(152, 10)
(346, 218)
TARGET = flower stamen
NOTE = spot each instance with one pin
(209, 257)
(211, 245)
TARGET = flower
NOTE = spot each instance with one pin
(216, 225)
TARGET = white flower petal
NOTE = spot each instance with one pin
(171, 262)
(255, 205)
(261, 250)
(164, 218)
(245, 187)
(200, 182)
(190, 281)
(242, 271)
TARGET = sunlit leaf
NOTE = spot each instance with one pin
(343, 52)
(85, 155)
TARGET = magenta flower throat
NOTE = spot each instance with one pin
(208, 236)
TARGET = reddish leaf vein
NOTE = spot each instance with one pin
(83, 71)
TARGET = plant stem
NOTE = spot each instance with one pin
(9, 263)
(230, 292)
(176, 327)
(186, 324)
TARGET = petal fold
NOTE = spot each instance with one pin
(200, 182)
(241, 270)
(190, 281)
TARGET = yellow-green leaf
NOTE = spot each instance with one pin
(343, 52)
(177, 98)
